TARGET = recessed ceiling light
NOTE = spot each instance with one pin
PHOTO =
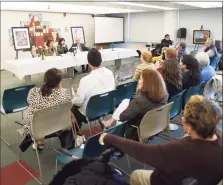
(202, 4)
(143, 5)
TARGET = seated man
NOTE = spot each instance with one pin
(181, 50)
(210, 48)
(166, 42)
(80, 48)
(100, 80)
(207, 71)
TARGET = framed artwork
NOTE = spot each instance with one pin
(21, 38)
(78, 32)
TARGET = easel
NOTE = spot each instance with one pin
(197, 45)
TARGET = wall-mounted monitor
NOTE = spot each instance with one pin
(200, 36)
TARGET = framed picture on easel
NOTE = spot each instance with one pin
(21, 38)
(78, 32)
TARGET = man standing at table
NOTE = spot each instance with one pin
(100, 80)
(80, 48)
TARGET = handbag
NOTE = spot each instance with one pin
(26, 143)
(79, 137)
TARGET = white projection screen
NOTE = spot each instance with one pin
(109, 30)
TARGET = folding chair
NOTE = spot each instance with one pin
(154, 122)
(45, 122)
(202, 87)
(14, 100)
(125, 72)
(91, 148)
(176, 108)
(67, 84)
(125, 91)
(99, 105)
(194, 90)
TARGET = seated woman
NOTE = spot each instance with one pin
(152, 94)
(51, 93)
(198, 155)
(172, 76)
(62, 47)
(207, 71)
(191, 71)
(146, 59)
(168, 54)
(51, 50)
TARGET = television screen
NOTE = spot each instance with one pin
(200, 36)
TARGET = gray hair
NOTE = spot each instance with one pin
(203, 59)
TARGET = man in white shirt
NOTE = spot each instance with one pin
(100, 80)
(80, 48)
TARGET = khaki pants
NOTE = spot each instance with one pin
(140, 177)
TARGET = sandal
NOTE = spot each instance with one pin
(37, 146)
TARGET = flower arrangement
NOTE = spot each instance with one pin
(41, 52)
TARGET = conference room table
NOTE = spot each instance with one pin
(24, 68)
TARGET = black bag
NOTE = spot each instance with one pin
(26, 143)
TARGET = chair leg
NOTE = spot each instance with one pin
(8, 131)
(169, 134)
(18, 160)
(89, 124)
(129, 164)
(56, 167)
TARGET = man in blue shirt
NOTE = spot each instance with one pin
(207, 71)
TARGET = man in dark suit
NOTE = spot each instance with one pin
(80, 47)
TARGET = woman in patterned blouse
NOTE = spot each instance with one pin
(50, 94)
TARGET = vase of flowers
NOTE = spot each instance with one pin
(41, 52)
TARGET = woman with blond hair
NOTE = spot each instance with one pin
(152, 94)
(146, 59)
(198, 155)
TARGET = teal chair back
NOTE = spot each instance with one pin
(202, 87)
(125, 91)
(15, 98)
(94, 149)
(100, 105)
(194, 90)
(214, 61)
(177, 104)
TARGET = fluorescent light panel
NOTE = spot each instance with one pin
(143, 5)
(202, 4)
(59, 7)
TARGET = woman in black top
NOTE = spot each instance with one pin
(172, 76)
(191, 71)
(62, 47)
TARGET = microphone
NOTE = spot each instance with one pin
(74, 50)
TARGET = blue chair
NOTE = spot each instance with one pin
(194, 90)
(100, 105)
(214, 61)
(177, 104)
(125, 91)
(14, 100)
(91, 148)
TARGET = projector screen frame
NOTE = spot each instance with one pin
(104, 43)
(200, 43)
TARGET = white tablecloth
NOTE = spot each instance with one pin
(24, 67)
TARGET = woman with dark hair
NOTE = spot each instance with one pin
(51, 93)
(198, 155)
(172, 76)
(152, 93)
(62, 47)
(191, 71)
(51, 50)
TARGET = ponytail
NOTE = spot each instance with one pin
(46, 90)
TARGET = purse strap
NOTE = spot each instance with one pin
(76, 125)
